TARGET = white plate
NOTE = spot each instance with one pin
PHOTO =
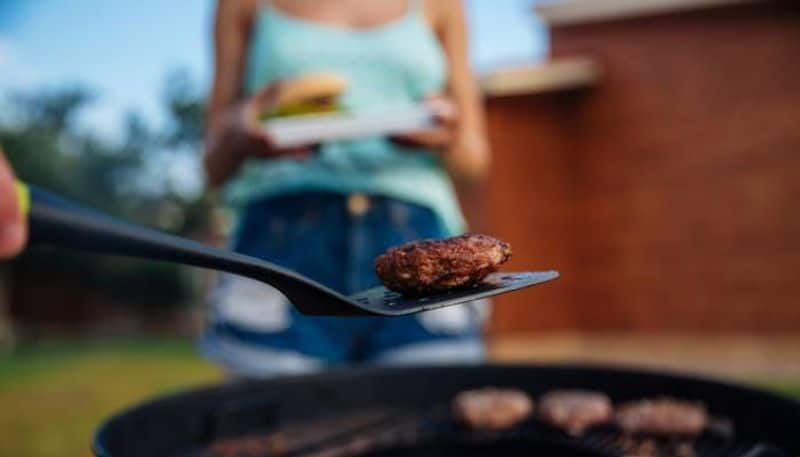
(320, 128)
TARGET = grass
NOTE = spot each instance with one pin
(53, 395)
(788, 388)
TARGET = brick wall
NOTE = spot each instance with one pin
(669, 195)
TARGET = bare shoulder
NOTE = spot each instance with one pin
(440, 13)
(237, 10)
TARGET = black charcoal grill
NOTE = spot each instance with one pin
(379, 412)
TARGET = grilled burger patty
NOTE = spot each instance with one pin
(492, 408)
(575, 410)
(431, 266)
(662, 417)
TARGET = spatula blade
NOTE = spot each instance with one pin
(381, 300)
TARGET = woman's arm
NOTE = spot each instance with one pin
(232, 24)
(233, 132)
(467, 157)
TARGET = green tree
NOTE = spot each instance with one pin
(150, 176)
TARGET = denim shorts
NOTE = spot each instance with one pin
(253, 331)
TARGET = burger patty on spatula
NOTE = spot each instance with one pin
(433, 266)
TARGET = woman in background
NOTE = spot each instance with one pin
(327, 212)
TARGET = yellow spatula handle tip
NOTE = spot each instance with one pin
(23, 197)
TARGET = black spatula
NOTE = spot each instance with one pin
(56, 220)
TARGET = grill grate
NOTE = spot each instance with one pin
(437, 427)
(604, 440)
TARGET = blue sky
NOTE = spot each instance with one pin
(123, 49)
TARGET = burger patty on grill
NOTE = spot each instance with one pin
(492, 408)
(662, 417)
(431, 266)
(575, 410)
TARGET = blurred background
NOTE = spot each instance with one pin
(649, 150)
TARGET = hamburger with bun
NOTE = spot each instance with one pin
(315, 93)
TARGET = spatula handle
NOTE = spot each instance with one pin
(56, 220)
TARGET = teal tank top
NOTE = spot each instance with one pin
(389, 66)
